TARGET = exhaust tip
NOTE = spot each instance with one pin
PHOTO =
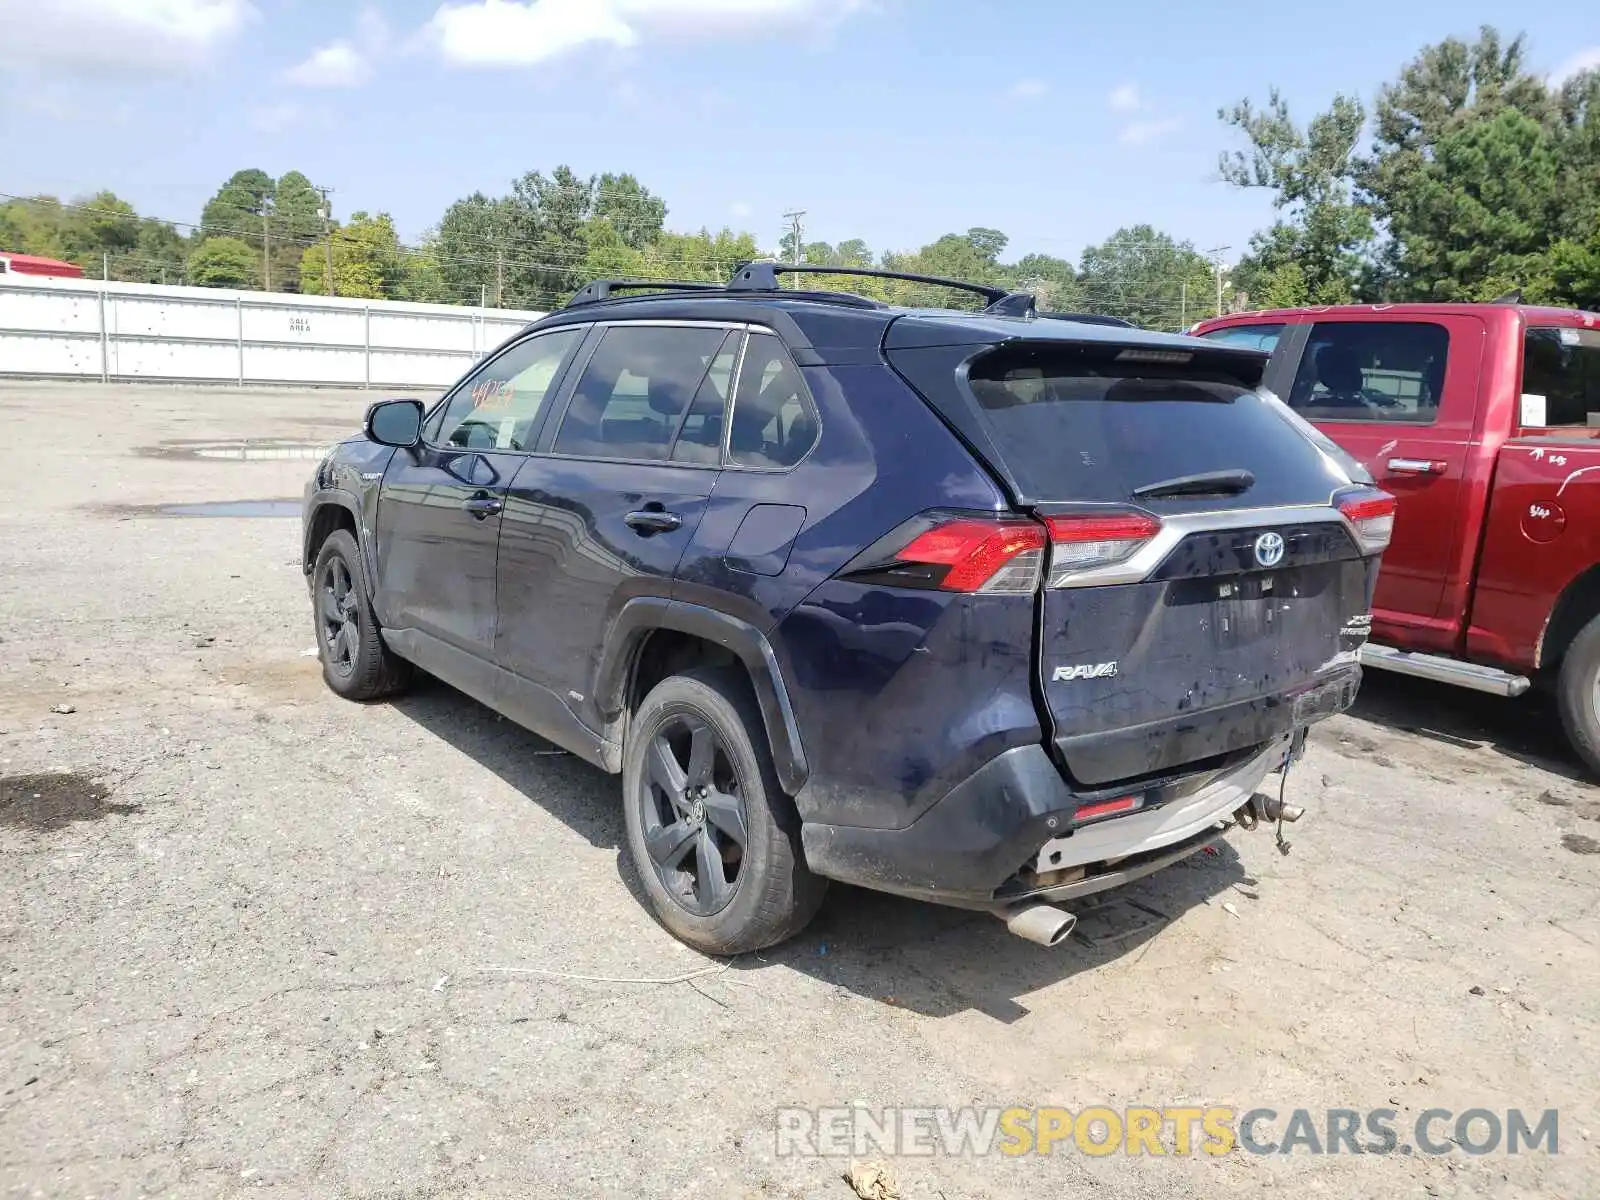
(1042, 924)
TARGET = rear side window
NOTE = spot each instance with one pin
(636, 389)
(774, 420)
(1251, 337)
(1372, 371)
(1561, 374)
(1080, 425)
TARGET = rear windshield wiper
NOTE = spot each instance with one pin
(1209, 483)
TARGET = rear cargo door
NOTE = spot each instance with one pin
(1201, 584)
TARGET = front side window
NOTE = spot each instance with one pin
(1251, 337)
(1372, 371)
(1561, 377)
(635, 391)
(774, 421)
(497, 407)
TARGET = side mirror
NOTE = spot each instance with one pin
(394, 423)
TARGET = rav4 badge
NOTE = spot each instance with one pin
(1084, 671)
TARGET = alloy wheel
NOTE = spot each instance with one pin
(338, 619)
(692, 814)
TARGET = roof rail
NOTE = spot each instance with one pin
(604, 289)
(763, 277)
(1089, 319)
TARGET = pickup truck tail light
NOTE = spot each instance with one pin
(1082, 542)
(1371, 516)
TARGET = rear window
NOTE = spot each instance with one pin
(1251, 337)
(1078, 425)
(1561, 377)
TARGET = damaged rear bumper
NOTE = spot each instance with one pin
(1010, 832)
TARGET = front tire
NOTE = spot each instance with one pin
(714, 842)
(355, 662)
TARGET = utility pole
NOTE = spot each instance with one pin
(266, 245)
(105, 266)
(327, 235)
(1183, 306)
(1216, 253)
(793, 217)
(499, 275)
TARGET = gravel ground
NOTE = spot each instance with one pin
(250, 933)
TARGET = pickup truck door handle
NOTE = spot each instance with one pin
(649, 521)
(1416, 466)
(483, 505)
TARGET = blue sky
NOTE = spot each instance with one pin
(889, 120)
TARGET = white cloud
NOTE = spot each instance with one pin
(740, 209)
(275, 118)
(1029, 89)
(125, 37)
(346, 62)
(1125, 98)
(338, 64)
(1583, 60)
(514, 33)
(1140, 133)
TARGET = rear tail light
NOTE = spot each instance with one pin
(963, 554)
(1082, 542)
(1371, 516)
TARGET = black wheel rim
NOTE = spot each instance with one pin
(692, 809)
(337, 617)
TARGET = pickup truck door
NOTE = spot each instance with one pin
(1400, 393)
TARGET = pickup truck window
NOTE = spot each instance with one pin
(1563, 366)
(1251, 337)
(1372, 371)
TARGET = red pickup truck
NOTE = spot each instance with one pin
(1484, 420)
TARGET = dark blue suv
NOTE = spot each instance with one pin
(991, 608)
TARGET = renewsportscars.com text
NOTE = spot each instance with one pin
(856, 1131)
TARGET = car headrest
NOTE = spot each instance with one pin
(668, 397)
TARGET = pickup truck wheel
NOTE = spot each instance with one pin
(355, 662)
(1578, 693)
(713, 840)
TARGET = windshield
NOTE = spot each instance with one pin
(1561, 375)
(1074, 428)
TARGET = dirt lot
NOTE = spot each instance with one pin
(250, 933)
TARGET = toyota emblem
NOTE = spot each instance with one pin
(1269, 549)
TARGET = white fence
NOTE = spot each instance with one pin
(88, 329)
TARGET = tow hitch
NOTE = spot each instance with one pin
(1262, 807)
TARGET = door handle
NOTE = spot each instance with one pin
(1416, 466)
(482, 506)
(649, 521)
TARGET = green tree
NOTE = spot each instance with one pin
(235, 211)
(1053, 282)
(471, 248)
(1148, 278)
(1477, 218)
(224, 262)
(1324, 233)
(367, 261)
(1445, 105)
(634, 211)
(296, 223)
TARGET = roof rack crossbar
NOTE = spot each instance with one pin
(763, 277)
(604, 289)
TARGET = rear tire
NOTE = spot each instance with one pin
(355, 662)
(714, 842)
(1578, 694)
